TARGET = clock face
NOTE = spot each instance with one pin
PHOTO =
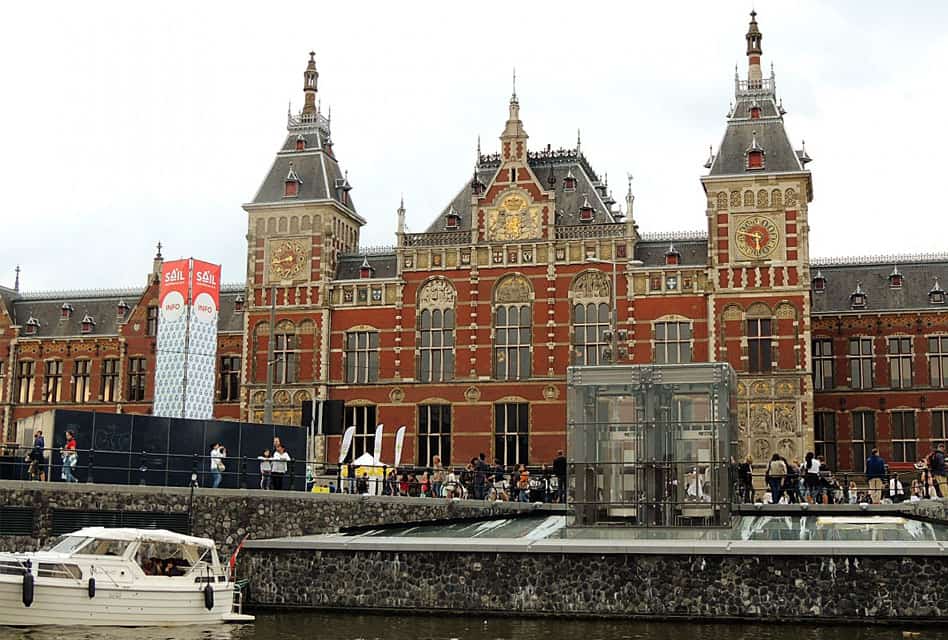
(287, 259)
(757, 237)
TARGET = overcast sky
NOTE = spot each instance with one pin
(128, 123)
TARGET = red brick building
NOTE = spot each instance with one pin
(464, 332)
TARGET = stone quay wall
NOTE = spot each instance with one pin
(228, 515)
(650, 586)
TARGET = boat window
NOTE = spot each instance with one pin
(57, 570)
(166, 559)
(12, 568)
(69, 544)
(102, 547)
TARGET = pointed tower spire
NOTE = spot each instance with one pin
(309, 85)
(513, 95)
(579, 142)
(514, 138)
(401, 215)
(753, 36)
(629, 198)
(16, 283)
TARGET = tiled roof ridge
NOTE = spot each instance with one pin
(76, 294)
(674, 235)
(371, 250)
(880, 259)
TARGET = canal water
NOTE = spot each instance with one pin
(319, 626)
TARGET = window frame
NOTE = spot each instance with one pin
(681, 346)
(433, 443)
(362, 357)
(503, 348)
(937, 360)
(111, 369)
(863, 437)
(939, 431)
(512, 447)
(760, 337)
(436, 344)
(25, 379)
(285, 358)
(824, 368)
(364, 418)
(230, 378)
(900, 361)
(900, 445)
(53, 381)
(585, 351)
(861, 364)
(823, 445)
(81, 381)
(137, 379)
(151, 321)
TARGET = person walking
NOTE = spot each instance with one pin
(745, 479)
(70, 458)
(278, 467)
(811, 477)
(776, 472)
(559, 472)
(216, 465)
(37, 457)
(936, 466)
(875, 475)
(437, 478)
(265, 469)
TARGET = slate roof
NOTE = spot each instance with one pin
(842, 276)
(385, 265)
(691, 246)
(561, 163)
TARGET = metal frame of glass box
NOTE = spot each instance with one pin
(651, 445)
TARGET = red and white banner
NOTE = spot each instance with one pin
(173, 291)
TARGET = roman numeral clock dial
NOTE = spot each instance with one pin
(756, 237)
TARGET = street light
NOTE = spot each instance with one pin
(614, 316)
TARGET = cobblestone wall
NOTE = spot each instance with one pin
(801, 587)
(226, 516)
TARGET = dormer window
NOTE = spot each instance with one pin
(936, 295)
(819, 282)
(672, 256)
(453, 219)
(754, 155)
(895, 278)
(31, 327)
(88, 323)
(343, 188)
(569, 182)
(586, 211)
(365, 271)
(66, 311)
(239, 303)
(291, 186)
(755, 111)
(857, 299)
(300, 143)
(121, 309)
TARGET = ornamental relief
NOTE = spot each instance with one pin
(760, 418)
(791, 197)
(761, 199)
(785, 418)
(722, 200)
(591, 284)
(512, 289)
(762, 449)
(437, 294)
(735, 199)
(776, 198)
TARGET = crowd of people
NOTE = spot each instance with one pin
(812, 481)
(477, 480)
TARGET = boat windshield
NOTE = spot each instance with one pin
(170, 559)
(69, 544)
(105, 547)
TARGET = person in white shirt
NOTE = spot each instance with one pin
(266, 466)
(278, 467)
(217, 464)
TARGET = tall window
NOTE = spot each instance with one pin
(860, 363)
(511, 433)
(25, 371)
(939, 426)
(824, 437)
(938, 361)
(230, 378)
(436, 357)
(900, 363)
(110, 374)
(823, 364)
(590, 322)
(864, 437)
(434, 433)
(363, 419)
(136, 380)
(362, 356)
(904, 436)
(152, 324)
(285, 358)
(53, 388)
(512, 342)
(81, 380)
(758, 345)
(673, 342)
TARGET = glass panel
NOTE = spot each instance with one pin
(579, 313)
(425, 320)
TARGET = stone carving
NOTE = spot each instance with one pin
(776, 198)
(784, 388)
(512, 289)
(397, 395)
(735, 199)
(591, 284)
(760, 389)
(472, 394)
(762, 198)
(760, 418)
(742, 422)
(437, 294)
(748, 198)
(300, 397)
(259, 397)
(722, 200)
(741, 450)
(762, 450)
(787, 448)
(791, 197)
(550, 392)
(732, 312)
(741, 389)
(281, 397)
(786, 311)
(759, 310)
(785, 418)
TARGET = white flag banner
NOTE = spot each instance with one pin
(377, 452)
(399, 441)
(346, 443)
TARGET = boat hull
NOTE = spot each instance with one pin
(67, 602)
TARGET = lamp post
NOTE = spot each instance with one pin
(614, 315)
(268, 400)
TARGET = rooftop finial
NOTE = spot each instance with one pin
(513, 96)
(478, 160)
(754, 50)
(578, 141)
(158, 254)
(629, 198)
(16, 282)
(310, 76)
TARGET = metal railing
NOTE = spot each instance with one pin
(837, 488)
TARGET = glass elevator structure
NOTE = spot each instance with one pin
(651, 445)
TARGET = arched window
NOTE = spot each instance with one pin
(436, 319)
(513, 319)
(285, 354)
(590, 293)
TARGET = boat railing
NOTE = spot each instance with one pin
(12, 568)
(240, 586)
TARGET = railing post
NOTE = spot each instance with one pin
(194, 468)
(89, 475)
(242, 481)
(142, 468)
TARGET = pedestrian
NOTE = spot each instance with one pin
(776, 472)
(811, 477)
(451, 488)
(896, 490)
(70, 458)
(37, 457)
(437, 478)
(523, 484)
(216, 465)
(559, 472)
(853, 493)
(875, 475)
(745, 478)
(792, 482)
(466, 478)
(481, 471)
(278, 466)
(266, 462)
(936, 466)
(362, 483)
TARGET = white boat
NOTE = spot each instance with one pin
(119, 577)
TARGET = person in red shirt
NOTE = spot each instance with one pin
(70, 458)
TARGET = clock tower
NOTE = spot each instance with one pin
(758, 191)
(299, 221)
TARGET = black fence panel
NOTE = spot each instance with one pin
(68, 520)
(16, 521)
